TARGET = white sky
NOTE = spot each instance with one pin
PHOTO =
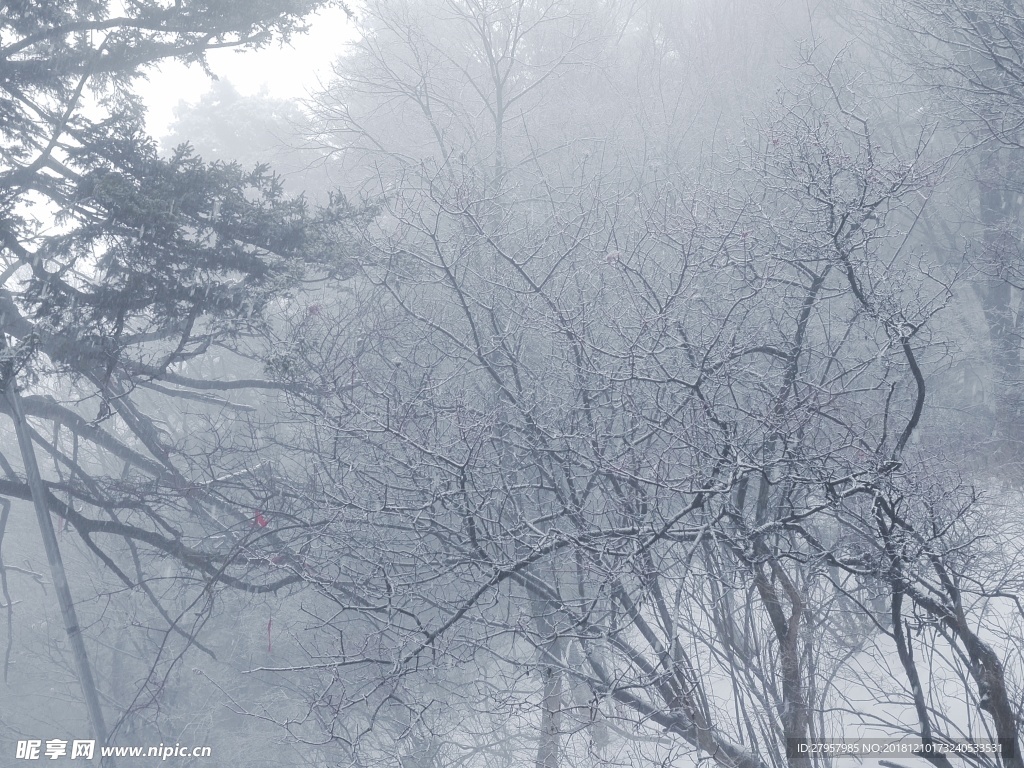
(285, 71)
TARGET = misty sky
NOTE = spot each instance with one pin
(285, 71)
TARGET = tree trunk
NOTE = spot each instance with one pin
(60, 581)
(552, 660)
(998, 210)
(551, 719)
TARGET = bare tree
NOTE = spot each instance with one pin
(967, 56)
(619, 431)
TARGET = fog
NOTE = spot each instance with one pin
(512, 383)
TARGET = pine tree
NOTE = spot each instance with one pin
(121, 270)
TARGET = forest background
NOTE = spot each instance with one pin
(551, 383)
